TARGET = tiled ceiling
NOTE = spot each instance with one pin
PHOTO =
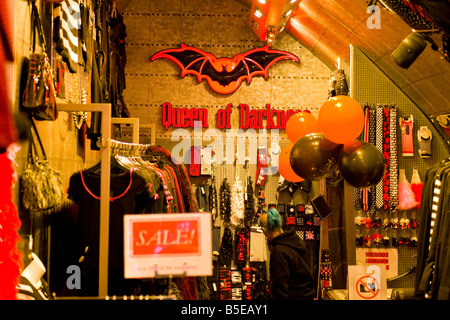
(328, 28)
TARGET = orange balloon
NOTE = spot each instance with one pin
(341, 119)
(300, 124)
(284, 165)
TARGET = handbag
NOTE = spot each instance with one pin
(40, 186)
(39, 96)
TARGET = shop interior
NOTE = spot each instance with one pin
(127, 117)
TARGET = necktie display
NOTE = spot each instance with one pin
(377, 220)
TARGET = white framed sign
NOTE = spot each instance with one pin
(167, 245)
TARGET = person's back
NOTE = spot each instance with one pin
(290, 271)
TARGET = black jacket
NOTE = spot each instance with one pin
(290, 270)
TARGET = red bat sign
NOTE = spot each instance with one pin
(224, 75)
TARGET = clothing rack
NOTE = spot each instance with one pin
(105, 152)
(106, 145)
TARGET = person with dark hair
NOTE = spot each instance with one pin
(290, 271)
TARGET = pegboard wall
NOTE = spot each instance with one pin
(370, 85)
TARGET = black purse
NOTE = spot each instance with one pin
(39, 96)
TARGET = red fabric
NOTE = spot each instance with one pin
(8, 131)
(10, 256)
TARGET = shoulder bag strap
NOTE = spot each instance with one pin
(36, 26)
(39, 140)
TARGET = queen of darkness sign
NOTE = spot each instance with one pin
(265, 118)
(261, 124)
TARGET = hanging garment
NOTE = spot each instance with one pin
(226, 248)
(237, 203)
(202, 192)
(249, 203)
(242, 247)
(195, 161)
(186, 285)
(181, 173)
(416, 187)
(117, 35)
(67, 25)
(262, 166)
(406, 197)
(341, 83)
(100, 62)
(213, 200)
(433, 263)
(177, 205)
(225, 201)
(441, 281)
(167, 194)
(129, 194)
(258, 247)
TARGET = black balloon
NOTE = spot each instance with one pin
(313, 155)
(361, 164)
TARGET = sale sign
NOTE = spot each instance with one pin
(162, 238)
(167, 244)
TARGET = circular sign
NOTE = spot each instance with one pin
(367, 287)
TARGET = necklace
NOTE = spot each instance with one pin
(110, 198)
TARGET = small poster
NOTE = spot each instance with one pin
(384, 258)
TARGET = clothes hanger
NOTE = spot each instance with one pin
(115, 165)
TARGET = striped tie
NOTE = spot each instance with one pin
(387, 155)
(394, 159)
